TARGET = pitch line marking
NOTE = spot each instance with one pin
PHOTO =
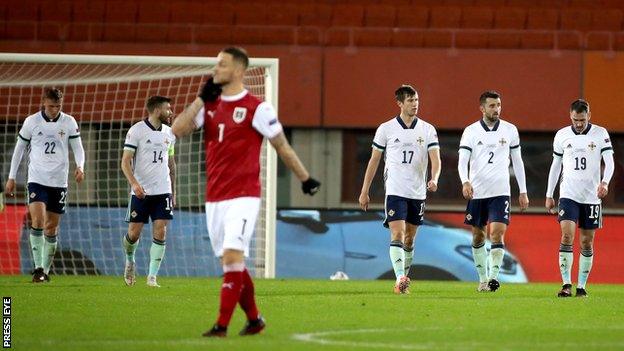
(320, 338)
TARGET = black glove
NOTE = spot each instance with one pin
(310, 186)
(210, 91)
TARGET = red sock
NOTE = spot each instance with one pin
(230, 294)
(248, 298)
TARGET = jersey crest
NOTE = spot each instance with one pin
(239, 114)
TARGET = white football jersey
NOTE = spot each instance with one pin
(581, 155)
(489, 157)
(49, 147)
(406, 156)
(152, 148)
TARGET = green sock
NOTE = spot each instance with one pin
(409, 255)
(49, 249)
(36, 245)
(480, 255)
(397, 256)
(157, 252)
(129, 247)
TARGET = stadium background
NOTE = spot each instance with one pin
(340, 61)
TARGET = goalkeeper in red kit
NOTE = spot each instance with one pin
(235, 124)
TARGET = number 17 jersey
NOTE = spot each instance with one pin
(406, 156)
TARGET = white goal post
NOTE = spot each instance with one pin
(106, 94)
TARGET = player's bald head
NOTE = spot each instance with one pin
(403, 92)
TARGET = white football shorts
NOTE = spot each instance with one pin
(231, 223)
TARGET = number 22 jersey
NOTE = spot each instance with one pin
(49, 147)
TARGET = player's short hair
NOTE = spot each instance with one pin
(155, 101)
(55, 94)
(239, 54)
(491, 94)
(403, 92)
(579, 106)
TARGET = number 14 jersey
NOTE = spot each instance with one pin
(152, 148)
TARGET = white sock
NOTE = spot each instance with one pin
(397, 256)
(409, 256)
(566, 259)
(479, 255)
(586, 259)
(497, 252)
(49, 249)
(129, 247)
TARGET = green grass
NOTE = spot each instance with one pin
(100, 313)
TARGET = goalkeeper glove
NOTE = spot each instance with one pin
(210, 91)
(310, 186)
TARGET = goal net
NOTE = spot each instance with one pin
(106, 95)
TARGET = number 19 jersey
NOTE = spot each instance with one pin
(152, 148)
(489, 157)
(406, 156)
(581, 155)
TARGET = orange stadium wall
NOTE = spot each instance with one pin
(352, 88)
(603, 78)
(536, 86)
(534, 240)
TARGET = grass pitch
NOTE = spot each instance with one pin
(100, 313)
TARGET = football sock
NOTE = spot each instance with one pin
(49, 249)
(496, 259)
(230, 292)
(397, 256)
(129, 247)
(409, 255)
(479, 255)
(565, 263)
(157, 252)
(247, 298)
(586, 258)
(36, 245)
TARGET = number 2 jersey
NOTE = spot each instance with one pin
(49, 147)
(490, 157)
(406, 156)
(152, 148)
(234, 128)
(581, 155)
